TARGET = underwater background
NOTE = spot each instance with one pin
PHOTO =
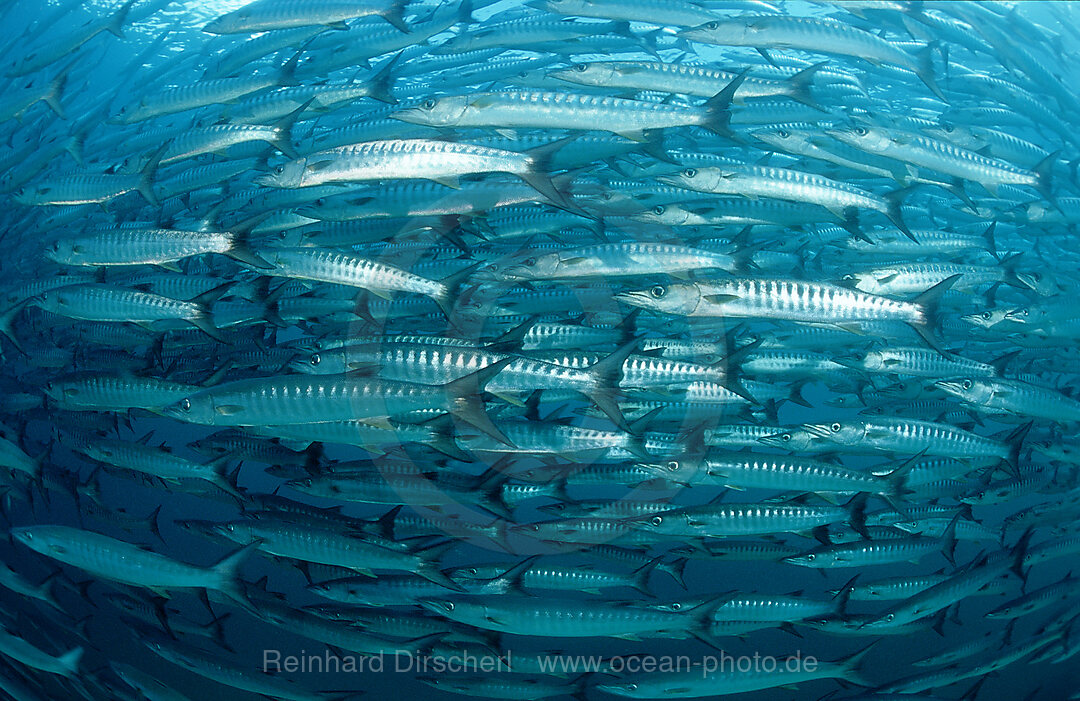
(565, 338)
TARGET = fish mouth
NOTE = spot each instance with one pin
(409, 114)
(267, 180)
(773, 439)
(951, 386)
(634, 297)
(670, 180)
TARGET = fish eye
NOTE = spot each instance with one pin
(657, 520)
(56, 246)
(785, 437)
(658, 291)
(861, 131)
(631, 686)
(783, 133)
(321, 202)
(490, 268)
(659, 210)
(279, 170)
(315, 359)
(810, 557)
(448, 605)
(690, 172)
(889, 618)
(987, 315)
(676, 606)
(966, 384)
(712, 25)
(673, 466)
(185, 405)
(835, 428)
(428, 104)
(530, 262)
(581, 67)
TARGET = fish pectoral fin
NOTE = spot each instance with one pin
(447, 180)
(364, 571)
(508, 398)
(720, 299)
(382, 422)
(229, 409)
(634, 135)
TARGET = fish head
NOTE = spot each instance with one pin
(619, 688)
(791, 140)
(436, 111)
(236, 22)
(668, 214)
(54, 301)
(848, 433)
(700, 179)
(727, 33)
(987, 318)
(1042, 282)
(442, 607)
(65, 252)
(193, 409)
(680, 471)
(865, 137)
(810, 559)
(794, 439)
(535, 266)
(599, 73)
(286, 175)
(679, 299)
(306, 363)
(968, 389)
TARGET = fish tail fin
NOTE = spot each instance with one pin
(379, 85)
(286, 77)
(852, 666)
(7, 321)
(395, 15)
(538, 175)
(1015, 440)
(898, 478)
(639, 578)
(56, 91)
(894, 210)
(70, 660)
(930, 302)
(148, 174)
(717, 118)
(856, 508)
(1044, 174)
(284, 130)
(991, 242)
(226, 575)
(467, 403)
(606, 374)
(447, 297)
(799, 86)
(925, 71)
(116, 24)
(676, 569)
(240, 250)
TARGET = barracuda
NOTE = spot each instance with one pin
(838, 197)
(266, 15)
(555, 110)
(118, 561)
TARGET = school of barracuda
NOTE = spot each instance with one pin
(539, 330)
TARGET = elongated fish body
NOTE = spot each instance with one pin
(96, 302)
(900, 436)
(16, 648)
(794, 300)
(1000, 395)
(552, 110)
(303, 400)
(116, 393)
(139, 246)
(265, 15)
(118, 561)
(380, 160)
